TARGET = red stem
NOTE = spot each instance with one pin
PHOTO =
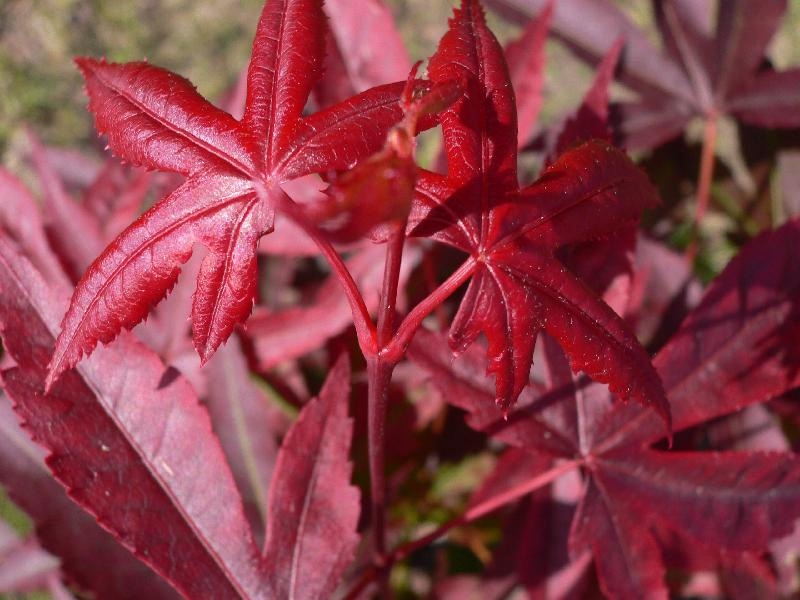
(379, 374)
(365, 329)
(391, 279)
(704, 178)
(396, 348)
(471, 514)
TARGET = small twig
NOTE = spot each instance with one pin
(405, 332)
(365, 328)
(704, 180)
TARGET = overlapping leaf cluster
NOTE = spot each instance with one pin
(183, 475)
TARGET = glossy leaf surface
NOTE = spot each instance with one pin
(155, 118)
(519, 288)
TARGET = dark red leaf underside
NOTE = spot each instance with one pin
(311, 534)
(131, 445)
(737, 348)
(628, 561)
(91, 559)
(731, 502)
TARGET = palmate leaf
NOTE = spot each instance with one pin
(234, 171)
(134, 448)
(519, 287)
(737, 348)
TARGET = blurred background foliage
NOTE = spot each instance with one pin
(209, 42)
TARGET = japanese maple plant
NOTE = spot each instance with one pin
(453, 311)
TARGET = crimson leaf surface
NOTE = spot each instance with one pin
(519, 287)
(234, 172)
(311, 536)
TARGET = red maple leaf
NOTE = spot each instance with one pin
(234, 171)
(123, 439)
(736, 349)
(518, 286)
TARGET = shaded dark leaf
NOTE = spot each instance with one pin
(311, 533)
(130, 448)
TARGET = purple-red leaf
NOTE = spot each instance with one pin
(131, 445)
(734, 502)
(311, 534)
(590, 27)
(74, 231)
(90, 557)
(371, 47)
(628, 561)
(526, 57)
(248, 427)
(743, 332)
(21, 220)
(709, 68)
(736, 349)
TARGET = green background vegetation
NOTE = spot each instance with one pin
(208, 42)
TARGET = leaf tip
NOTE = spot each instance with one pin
(54, 370)
(87, 64)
